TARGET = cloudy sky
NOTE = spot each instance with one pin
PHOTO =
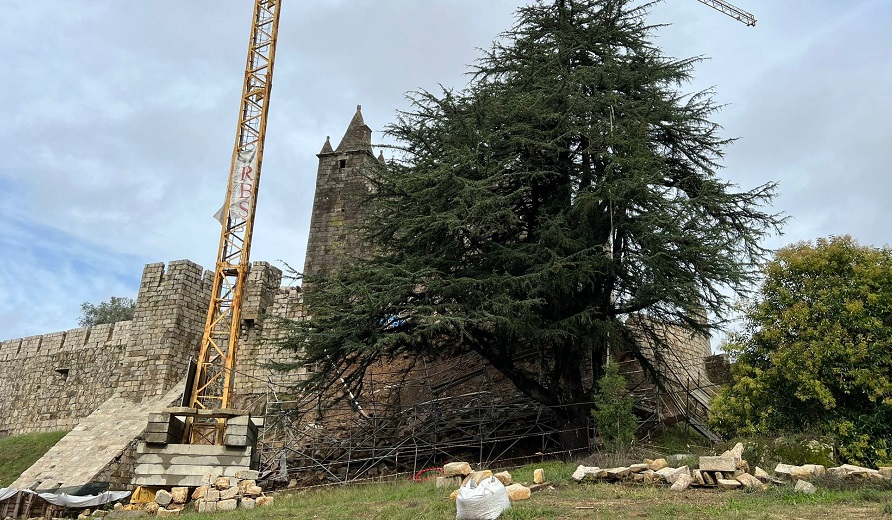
(118, 117)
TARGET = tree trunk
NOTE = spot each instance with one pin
(573, 427)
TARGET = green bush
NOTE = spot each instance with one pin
(614, 419)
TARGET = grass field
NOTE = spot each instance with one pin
(403, 500)
(18, 452)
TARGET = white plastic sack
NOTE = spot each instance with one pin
(484, 501)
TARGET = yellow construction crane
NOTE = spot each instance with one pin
(732, 11)
(211, 385)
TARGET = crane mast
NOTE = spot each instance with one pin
(212, 384)
(732, 11)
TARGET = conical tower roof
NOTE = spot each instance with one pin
(326, 148)
(358, 135)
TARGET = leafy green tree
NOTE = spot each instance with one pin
(614, 419)
(114, 310)
(526, 216)
(816, 350)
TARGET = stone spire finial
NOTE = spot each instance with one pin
(358, 136)
(326, 148)
(381, 157)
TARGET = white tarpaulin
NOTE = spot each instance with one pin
(242, 180)
(7, 492)
(72, 501)
(76, 502)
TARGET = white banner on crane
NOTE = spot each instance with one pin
(242, 179)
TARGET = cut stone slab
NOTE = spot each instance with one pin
(264, 501)
(784, 469)
(736, 452)
(718, 464)
(852, 470)
(681, 483)
(750, 482)
(618, 473)
(503, 476)
(179, 495)
(207, 507)
(454, 469)
(247, 503)
(674, 474)
(698, 477)
(662, 474)
(726, 483)
(582, 472)
(162, 512)
(518, 492)
(228, 494)
(817, 470)
(761, 474)
(478, 476)
(227, 505)
(886, 472)
(247, 474)
(657, 464)
(805, 487)
(163, 498)
(638, 468)
(538, 476)
(649, 476)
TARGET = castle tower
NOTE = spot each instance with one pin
(340, 180)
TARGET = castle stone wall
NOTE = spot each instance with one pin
(50, 382)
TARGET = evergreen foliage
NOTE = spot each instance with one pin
(567, 187)
(115, 309)
(816, 351)
(613, 415)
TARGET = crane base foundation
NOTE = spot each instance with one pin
(163, 461)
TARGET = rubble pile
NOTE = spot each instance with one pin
(726, 471)
(219, 494)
